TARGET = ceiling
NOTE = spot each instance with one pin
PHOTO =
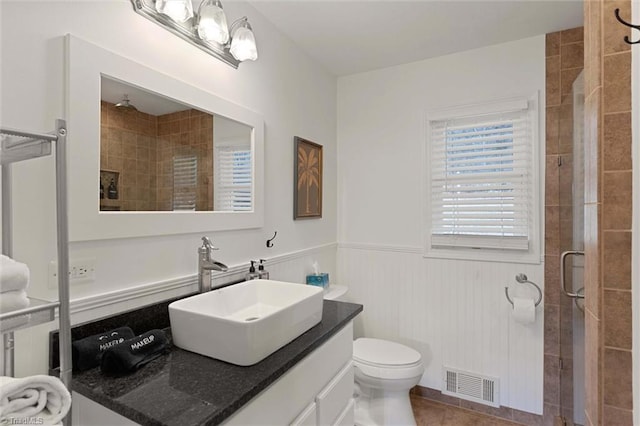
(113, 91)
(349, 37)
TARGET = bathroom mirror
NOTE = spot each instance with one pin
(157, 154)
(170, 158)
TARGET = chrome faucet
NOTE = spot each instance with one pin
(206, 264)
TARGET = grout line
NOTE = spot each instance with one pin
(471, 411)
(617, 289)
(572, 68)
(618, 408)
(615, 348)
(595, 317)
(616, 53)
(617, 112)
(593, 90)
(617, 171)
(572, 42)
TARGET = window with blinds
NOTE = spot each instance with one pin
(233, 178)
(185, 182)
(481, 186)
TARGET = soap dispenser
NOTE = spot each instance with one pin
(262, 273)
(252, 274)
(112, 191)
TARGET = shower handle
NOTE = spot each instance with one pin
(563, 258)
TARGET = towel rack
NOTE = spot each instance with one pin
(522, 279)
(15, 146)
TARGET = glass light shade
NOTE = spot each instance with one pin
(243, 44)
(178, 10)
(212, 23)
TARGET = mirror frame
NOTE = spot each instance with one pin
(86, 63)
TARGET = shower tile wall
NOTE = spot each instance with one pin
(140, 147)
(185, 133)
(608, 214)
(127, 147)
(564, 62)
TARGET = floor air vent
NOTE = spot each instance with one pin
(472, 387)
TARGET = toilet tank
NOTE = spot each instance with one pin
(335, 292)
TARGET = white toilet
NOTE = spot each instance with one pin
(384, 373)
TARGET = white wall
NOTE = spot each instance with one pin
(454, 312)
(295, 96)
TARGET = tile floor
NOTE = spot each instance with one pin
(432, 413)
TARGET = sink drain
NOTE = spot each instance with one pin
(251, 318)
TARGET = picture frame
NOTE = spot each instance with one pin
(307, 182)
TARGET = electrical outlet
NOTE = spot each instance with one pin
(81, 271)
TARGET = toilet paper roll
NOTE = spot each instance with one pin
(524, 310)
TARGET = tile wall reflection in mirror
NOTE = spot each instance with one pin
(157, 154)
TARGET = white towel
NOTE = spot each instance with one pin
(13, 275)
(41, 398)
(13, 300)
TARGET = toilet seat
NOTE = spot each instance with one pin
(386, 360)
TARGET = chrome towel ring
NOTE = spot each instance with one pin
(522, 278)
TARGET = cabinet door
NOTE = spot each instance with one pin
(332, 400)
(287, 397)
(85, 412)
(307, 417)
(347, 417)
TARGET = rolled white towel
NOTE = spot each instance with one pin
(13, 275)
(13, 300)
(41, 398)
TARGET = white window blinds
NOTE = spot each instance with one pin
(185, 182)
(481, 180)
(233, 177)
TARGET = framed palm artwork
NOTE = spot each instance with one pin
(307, 190)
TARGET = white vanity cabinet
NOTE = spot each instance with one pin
(307, 417)
(317, 391)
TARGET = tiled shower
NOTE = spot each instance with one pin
(607, 218)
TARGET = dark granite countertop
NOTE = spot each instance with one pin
(184, 388)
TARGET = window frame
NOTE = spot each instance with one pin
(533, 253)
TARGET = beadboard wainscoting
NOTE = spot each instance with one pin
(453, 311)
(32, 344)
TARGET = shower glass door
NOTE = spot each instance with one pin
(571, 196)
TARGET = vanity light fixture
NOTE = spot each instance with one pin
(243, 43)
(207, 29)
(212, 22)
(178, 10)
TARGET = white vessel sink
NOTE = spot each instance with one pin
(244, 323)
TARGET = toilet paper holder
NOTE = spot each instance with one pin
(522, 279)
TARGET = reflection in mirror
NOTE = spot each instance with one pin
(157, 154)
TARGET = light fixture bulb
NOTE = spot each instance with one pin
(243, 43)
(212, 22)
(178, 10)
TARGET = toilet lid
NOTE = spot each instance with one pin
(384, 352)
